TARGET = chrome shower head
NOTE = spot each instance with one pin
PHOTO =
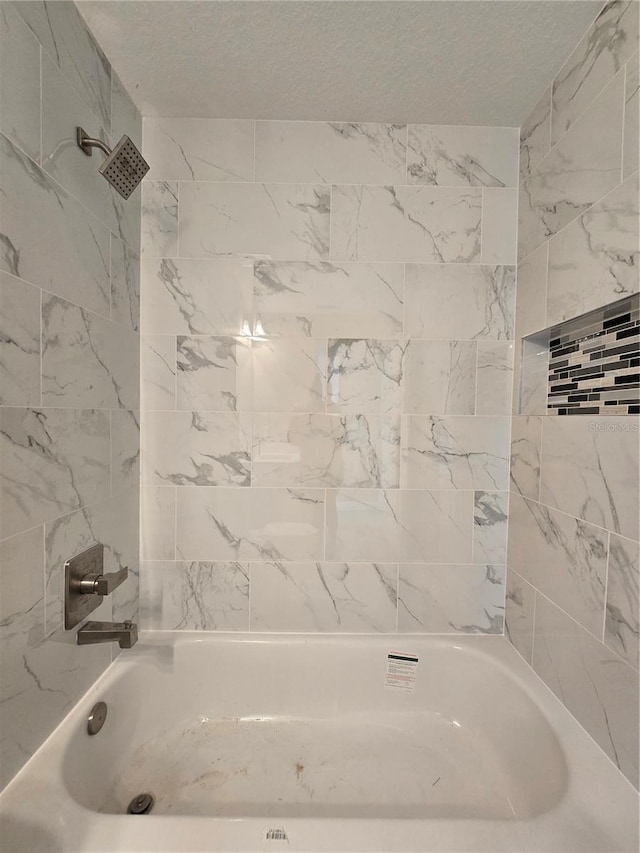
(124, 167)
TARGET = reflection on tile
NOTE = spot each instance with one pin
(499, 226)
(399, 223)
(289, 375)
(337, 597)
(622, 628)
(455, 453)
(325, 450)
(213, 374)
(158, 372)
(495, 378)
(125, 449)
(263, 524)
(19, 83)
(125, 117)
(370, 524)
(595, 260)
(52, 461)
(281, 221)
(330, 152)
(464, 302)
(365, 376)
(451, 155)
(519, 613)
(631, 152)
(442, 599)
(590, 469)
(198, 149)
(159, 219)
(532, 293)
(158, 528)
(440, 378)
(195, 596)
(19, 342)
(196, 449)
(328, 299)
(125, 285)
(526, 438)
(490, 521)
(562, 557)
(597, 687)
(535, 134)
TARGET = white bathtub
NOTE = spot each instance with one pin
(243, 740)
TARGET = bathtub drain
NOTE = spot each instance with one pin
(142, 804)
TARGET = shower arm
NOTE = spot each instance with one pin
(86, 143)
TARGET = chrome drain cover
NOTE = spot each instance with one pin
(142, 804)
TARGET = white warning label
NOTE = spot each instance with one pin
(401, 671)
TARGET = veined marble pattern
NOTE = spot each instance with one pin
(125, 449)
(631, 149)
(596, 259)
(563, 557)
(336, 597)
(87, 361)
(526, 441)
(125, 284)
(22, 601)
(455, 453)
(52, 461)
(196, 596)
(440, 377)
(279, 221)
(330, 152)
(535, 135)
(490, 522)
(158, 371)
(325, 450)
(289, 375)
(196, 449)
(196, 297)
(519, 614)
(622, 624)
(368, 524)
(499, 226)
(19, 342)
(597, 687)
(240, 524)
(158, 531)
(495, 377)
(442, 599)
(578, 171)
(399, 223)
(611, 40)
(214, 374)
(198, 149)
(532, 293)
(456, 301)
(590, 469)
(365, 376)
(125, 117)
(19, 82)
(327, 299)
(450, 155)
(64, 249)
(159, 219)
(534, 376)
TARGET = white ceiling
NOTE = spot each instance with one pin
(420, 61)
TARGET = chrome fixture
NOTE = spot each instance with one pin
(124, 167)
(124, 633)
(85, 585)
(96, 718)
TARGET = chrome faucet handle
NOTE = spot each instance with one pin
(93, 584)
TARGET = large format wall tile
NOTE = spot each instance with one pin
(535, 135)
(289, 375)
(213, 374)
(330, 152)
(158, 372)
(622, 625)
(499, 226)
(125, 284)
(440, 378)
(19, 343)
(531, 304)
(125, 117)
(399, 223)
(159, 238)
(158, 530)
(281, 221)
(526, 445)
(19, 82)
(365, 376)
(519, 613)
(125, 449)
(631, 149)
(490, 522)
(494, 378)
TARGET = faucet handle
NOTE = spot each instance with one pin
(93, 584)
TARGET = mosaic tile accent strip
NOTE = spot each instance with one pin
(594, 362)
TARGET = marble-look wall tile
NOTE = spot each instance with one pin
(535, 135)
(590, 469)
(578, 171)
(158, 372)
(159, 237)
(444, 599)
(370, 524)
(19, 342)
(596, 686)
(63, 249)
(125, 117)
(622, 624)
(125, 449)
(399, 223)
(196, 297)
(563, 557)
(196, 596)
(22, 600)
(52, 461)
(289, 375)
(445, 301)
(365, 376)
(213, 374)
(451, 155)
(499, 226)
(533, 377)
(595, 260)
(605, 47)
(325, 450)
(336, 597)
(19, 82)
(329, 300)
(490, 523)
(279, 221)
(494, 378)
(330, 152)
(241, 524)
(196, 449)
(519, 614)
(440, 378)
(125, 285)
(455, 453)
(631, 150)
(532, 293)
(87, 361)
(199, 149)
(158, 527)
(526, 445)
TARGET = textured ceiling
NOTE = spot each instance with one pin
(422, 61)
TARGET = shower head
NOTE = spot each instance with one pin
(124, 167)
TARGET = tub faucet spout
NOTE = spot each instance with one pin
(124, 633)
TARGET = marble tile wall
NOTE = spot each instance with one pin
(69, 362)
(574, 512)
(327, 350)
